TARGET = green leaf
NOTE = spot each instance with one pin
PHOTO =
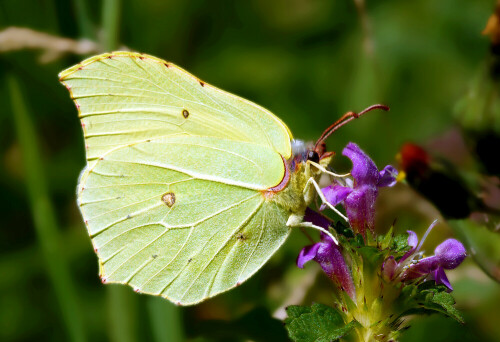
(396, 244)
(428, 298)
(400, 244)
(446, 301)
(316, 323)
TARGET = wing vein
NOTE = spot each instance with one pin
(255, 247)
(245, 222)
(199, 175)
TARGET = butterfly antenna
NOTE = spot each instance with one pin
(347, 117)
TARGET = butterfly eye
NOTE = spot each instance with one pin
(313, 156)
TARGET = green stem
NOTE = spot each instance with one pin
(122, 313)
(43, 215)
(111, 23)
(122, 306)
(166, 320)
(83, 20)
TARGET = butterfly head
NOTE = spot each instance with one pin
(302, 152)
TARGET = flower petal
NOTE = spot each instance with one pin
(412, 242)
(364, 170)
(316, 218)
(441, 278)
(422, 268)
(412, 239)
(450, 253)
(335, 194)
(307, 253)
(387, 176)
(389, 267)
(333, 264)
(360, 208)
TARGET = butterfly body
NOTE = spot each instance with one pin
(188, 190)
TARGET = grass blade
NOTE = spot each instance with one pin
(111, 10)
(122, 306)
(166, 320)
(43, 215)
(83, 19)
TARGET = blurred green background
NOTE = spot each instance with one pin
(308, 61)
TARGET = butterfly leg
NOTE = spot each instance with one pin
(322, 169)
(313, 226)
(312, 182)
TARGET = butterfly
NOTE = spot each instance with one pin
(188, 190)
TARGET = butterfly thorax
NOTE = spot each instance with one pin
(294, 197)
(291, 197)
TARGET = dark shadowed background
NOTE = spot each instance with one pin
(308, 61)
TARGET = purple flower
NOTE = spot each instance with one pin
(448, 255)
(327, 254)
(359, 199)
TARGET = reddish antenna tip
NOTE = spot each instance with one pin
(376, 106)
(349, 116)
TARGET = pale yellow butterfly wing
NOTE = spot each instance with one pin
(126, 97)
(173, 194)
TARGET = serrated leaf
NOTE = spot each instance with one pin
(294, 311)
(317, 323)
(400, 244)
(446, 301)
(428, 298)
